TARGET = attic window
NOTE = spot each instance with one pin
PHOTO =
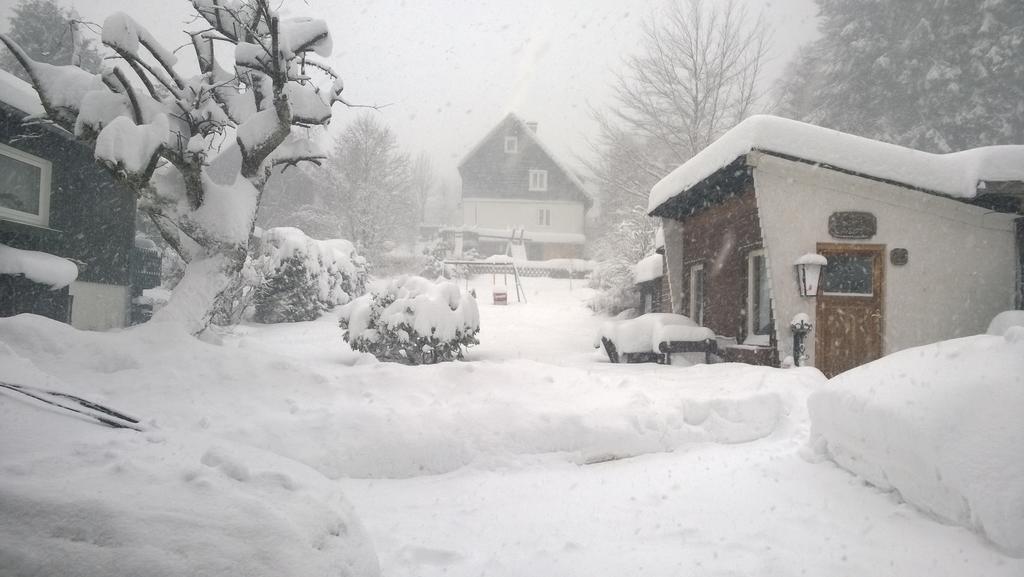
(24, 187)
(538, 180)
(511, 144)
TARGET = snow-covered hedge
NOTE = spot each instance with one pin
(297, 278)
(941, 424)
(412, 320)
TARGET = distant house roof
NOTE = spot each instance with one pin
(19, 94)
(960, 175)
(532, 135)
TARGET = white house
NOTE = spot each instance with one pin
(919, 247)
(517, 198)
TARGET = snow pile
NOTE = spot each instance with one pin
(645, 333)
(956, 174)
(649, 268)
(297, 278)
(39, 267)
(412, 320)
(19, 94)
(941, 424)
(1003, 321)
(77, 498)
(124, 145)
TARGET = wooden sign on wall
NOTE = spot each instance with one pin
(852, 225)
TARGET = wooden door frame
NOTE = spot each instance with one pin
(877, 284)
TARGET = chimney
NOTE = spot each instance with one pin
(532, 126)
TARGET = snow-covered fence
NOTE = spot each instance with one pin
(296, 278)
(412, 320)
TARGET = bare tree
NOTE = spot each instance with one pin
(696, 76)
(422, 180)
(157, 130)
(371, 176)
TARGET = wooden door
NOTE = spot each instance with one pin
(849, 309)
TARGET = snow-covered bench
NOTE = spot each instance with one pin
(653, 337)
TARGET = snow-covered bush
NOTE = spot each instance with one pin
(297, 278)
(412, 320)
(941, 425)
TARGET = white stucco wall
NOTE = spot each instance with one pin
(566, 216)
(673, 231)
(961, 268)
(99, 307)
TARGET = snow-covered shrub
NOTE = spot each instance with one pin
(297, 278)
(412, 320)
(941, 425)
(616, 289)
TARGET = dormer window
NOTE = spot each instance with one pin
(511, 144)
(538, 180)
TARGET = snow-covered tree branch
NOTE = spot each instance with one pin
(158, 131)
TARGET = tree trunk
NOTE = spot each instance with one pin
(206, 293)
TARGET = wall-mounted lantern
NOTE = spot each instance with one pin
(808, 271)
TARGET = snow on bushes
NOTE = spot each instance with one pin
(412, 320)
(941, 424)
(297, 278)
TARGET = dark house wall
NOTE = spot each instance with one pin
(653, 288)
(490, 172)
(92, 220)
(721, 236)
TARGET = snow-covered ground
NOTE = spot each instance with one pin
(537, 457)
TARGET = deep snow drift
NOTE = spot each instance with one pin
(942, 424)
(536, 457)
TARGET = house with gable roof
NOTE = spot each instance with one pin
(67, 229)
(911, 247)
(518, 199)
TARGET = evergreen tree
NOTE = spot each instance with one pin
(289, 295)
(48, 33)
(936, 75)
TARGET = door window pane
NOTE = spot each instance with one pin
(19, 185)
(849, 274)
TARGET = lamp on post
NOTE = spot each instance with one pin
(808, 272)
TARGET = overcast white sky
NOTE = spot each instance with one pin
(451, 69)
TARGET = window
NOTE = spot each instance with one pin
(24, 187)
(511, 144)
(759, 302)
(544, 217)
(697, 300)
(538, 180)
(849, 274)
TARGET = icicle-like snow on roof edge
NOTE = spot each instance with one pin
(955, 174)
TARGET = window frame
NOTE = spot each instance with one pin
(753, 337)
(692, 293)
(514, 142)
(544, 216)
(42, 219)
(541, 180)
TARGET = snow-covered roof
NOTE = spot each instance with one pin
(19, 94)
(955, 174)
(649, 268)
